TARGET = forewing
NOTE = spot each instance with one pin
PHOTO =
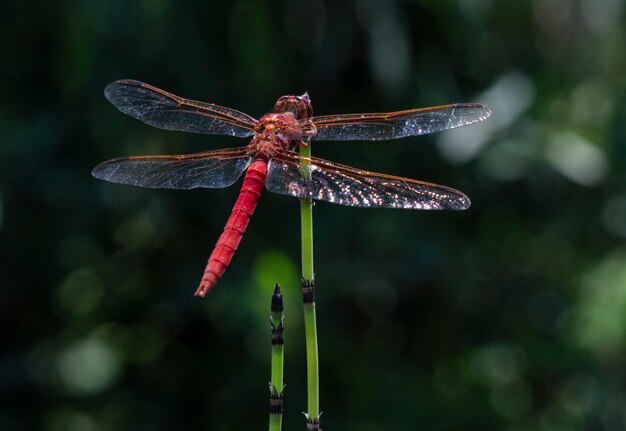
(214, 169)
(167, 111)
(344, 185)
(393, 125)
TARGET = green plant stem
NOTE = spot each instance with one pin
(276, 422)
(310, 324)
(278, 355)
(310, 328)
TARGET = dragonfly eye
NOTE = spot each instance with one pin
(305, 102)
(299, 106)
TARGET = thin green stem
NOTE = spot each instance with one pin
(310, 328)
(308, 275)
(278, 355)
(306, 212)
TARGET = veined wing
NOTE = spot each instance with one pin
(344, 185)
(164, 110)
(393, 125)
(213, 169)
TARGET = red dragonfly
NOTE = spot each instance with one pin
(271, 160)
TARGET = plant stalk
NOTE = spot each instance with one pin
(308, 294)
(278, 355)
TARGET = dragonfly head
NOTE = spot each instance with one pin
(299, 106)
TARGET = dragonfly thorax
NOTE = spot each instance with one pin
(276, 131)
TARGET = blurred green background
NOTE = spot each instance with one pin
(508, 316)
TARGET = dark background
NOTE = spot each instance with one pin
(508, 316)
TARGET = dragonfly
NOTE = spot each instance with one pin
(271, 158)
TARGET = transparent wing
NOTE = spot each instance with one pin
(213, 169)
(393, 125)
(161, 109)
(344, 185)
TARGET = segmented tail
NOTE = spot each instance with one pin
(235, 226)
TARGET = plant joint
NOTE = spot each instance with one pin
(308, 291)
(276, 402)
(312, 424)
(278, 334)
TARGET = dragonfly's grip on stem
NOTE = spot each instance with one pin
(305, 159)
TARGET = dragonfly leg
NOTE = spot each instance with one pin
(305, 142)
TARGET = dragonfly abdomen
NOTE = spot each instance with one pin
(235, 226)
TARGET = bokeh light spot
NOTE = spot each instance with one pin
(81, 292)
(614, 216)
(72, 420)
(577, 159)
(601, 17)
(553, 15)
(600, 320)
(388, 50)
(496, 365)
(88, 367)
(273, 266)
(592, 102)
(509, 97)
(579, 394)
